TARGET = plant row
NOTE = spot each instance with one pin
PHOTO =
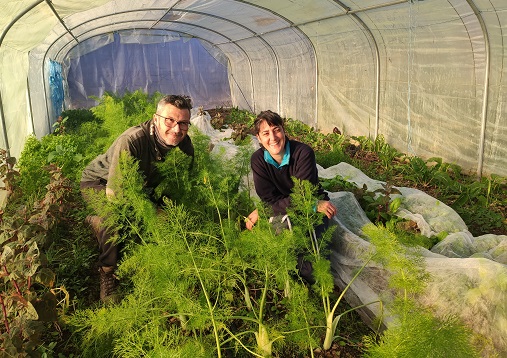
(194, 282)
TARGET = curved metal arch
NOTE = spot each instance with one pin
(60, 19)
(57, 55)
(302, 35)
(377, 63)
(147, 28)
(222, 19)
(156, 21)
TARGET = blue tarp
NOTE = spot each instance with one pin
(56, 88)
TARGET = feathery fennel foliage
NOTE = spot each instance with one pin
(175, 275)
(129, 214)
(305, 219)
(179, 274)
(194, 282)
(195, 275)
(212, 186)
(414, 332)
(283, 313)
(118, 114)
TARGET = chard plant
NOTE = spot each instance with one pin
(379, 205)
(28, 298)
(386, 153)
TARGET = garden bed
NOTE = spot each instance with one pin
(212, 287)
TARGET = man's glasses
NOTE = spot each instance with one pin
(169, 122)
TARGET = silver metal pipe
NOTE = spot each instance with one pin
(377, 57)
(485, 97)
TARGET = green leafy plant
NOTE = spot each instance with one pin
(238, 116)
(118, 113)
(426, 172)
(28, 299)
(75, 118)
(415, 331)
(302, 132)
(386, 153)
(61, 150)
(379, 204)
(60, 153)
(337, 184)
(60, 125)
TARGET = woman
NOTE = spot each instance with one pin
(273, 166)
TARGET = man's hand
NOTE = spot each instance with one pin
(251, 219)
(327, 208)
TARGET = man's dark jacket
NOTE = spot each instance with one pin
(139, 141)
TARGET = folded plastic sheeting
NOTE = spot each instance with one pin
(468, 275)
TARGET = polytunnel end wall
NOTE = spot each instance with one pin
(176, 67)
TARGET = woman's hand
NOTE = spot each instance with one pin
(251, 219)
(327, 208)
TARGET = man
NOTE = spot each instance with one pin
(273, 166)
(148, 143)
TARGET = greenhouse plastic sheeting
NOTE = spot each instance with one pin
(426, 75)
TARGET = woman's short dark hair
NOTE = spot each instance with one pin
(178, 101)
(271, 118)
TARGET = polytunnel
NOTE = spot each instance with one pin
(426, 75)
